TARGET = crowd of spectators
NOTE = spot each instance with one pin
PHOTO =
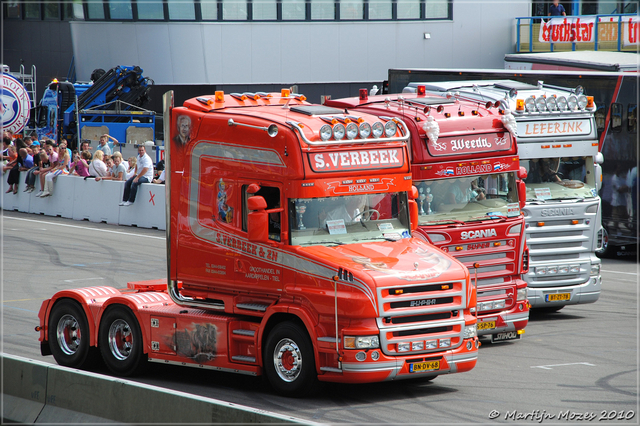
(45, 160)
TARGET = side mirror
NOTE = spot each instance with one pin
(599, 158)
(413, 214)
(413, 193)
(258, 220)
(522, 194)
(598, 171)
(522, 173)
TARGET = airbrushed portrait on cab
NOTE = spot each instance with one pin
(464, 162)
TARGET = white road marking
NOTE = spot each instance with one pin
(548, 367)
(619, 272)
(82, 227)
(83, 279)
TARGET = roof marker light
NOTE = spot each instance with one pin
(364, 94)
(239, 96)
(590, 103)
(520, 105)
(285, 93)
(422, 90)
(219, 96)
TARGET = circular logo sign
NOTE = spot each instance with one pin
(14, 104)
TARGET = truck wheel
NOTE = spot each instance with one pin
(288, 360)
(120, 342)
(69, 334)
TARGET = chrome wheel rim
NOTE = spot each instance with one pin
(68, 334)
(120, 339)
(287, 360)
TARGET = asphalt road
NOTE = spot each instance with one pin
(581, 360)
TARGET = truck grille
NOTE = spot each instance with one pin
(421, 312)
(494, 268)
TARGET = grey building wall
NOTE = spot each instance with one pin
(45, 44)
(215, 53)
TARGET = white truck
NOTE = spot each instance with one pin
(557, 141)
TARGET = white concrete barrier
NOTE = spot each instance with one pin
(35, 392)
(76, 198)
(149, 209)
(97, 201)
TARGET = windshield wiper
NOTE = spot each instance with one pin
(338, 243)
(578, 199)
(443, 221)
(488, 216)
(536, 200)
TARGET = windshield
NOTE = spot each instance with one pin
(559, 178)
(348, 219)
(467, 199)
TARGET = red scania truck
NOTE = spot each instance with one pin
(290, 255)
(464, 161)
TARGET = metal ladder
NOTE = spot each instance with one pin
(29, 83)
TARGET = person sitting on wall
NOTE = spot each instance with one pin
(61, 169)
(24, 163)
(144, 174)
(30, 179)
(118, 171)
(80, 167)
(97, 168)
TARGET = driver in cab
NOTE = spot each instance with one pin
(463, 191)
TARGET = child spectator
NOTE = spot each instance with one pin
(60, 169)
(97, 168)
(80, 167)
(25, 162)
(118, 172)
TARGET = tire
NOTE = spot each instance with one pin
(69, 335)
(288, 360)
(120, 342)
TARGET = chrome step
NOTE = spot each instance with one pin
(243, 358)
(244, 332)
(252, 306)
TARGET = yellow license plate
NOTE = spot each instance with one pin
(558, 296)
(486, 325)
(417, 367)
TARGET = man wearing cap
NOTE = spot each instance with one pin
(143, 174)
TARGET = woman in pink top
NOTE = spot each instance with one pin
(80, 167)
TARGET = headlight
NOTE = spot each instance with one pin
(365, 130)
(541, 271)
(377, 129)
(552, 270)
(595, 269)
(352, 130)
(325, 132)
(445, 343)
(572, 101)
(404, 347)
(541, 103)
(574, 269)
(552, 104)
(562, 103)
(390, 128)
(417, 346)
(582, 101)
(338, 131)
(430, 344)
(470, 331)
(564, 269)
(522, 294)
(530, 104)
(361, 342)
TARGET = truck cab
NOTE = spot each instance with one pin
(464, 163)
(558, 147)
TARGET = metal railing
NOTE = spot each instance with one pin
(608, 33)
